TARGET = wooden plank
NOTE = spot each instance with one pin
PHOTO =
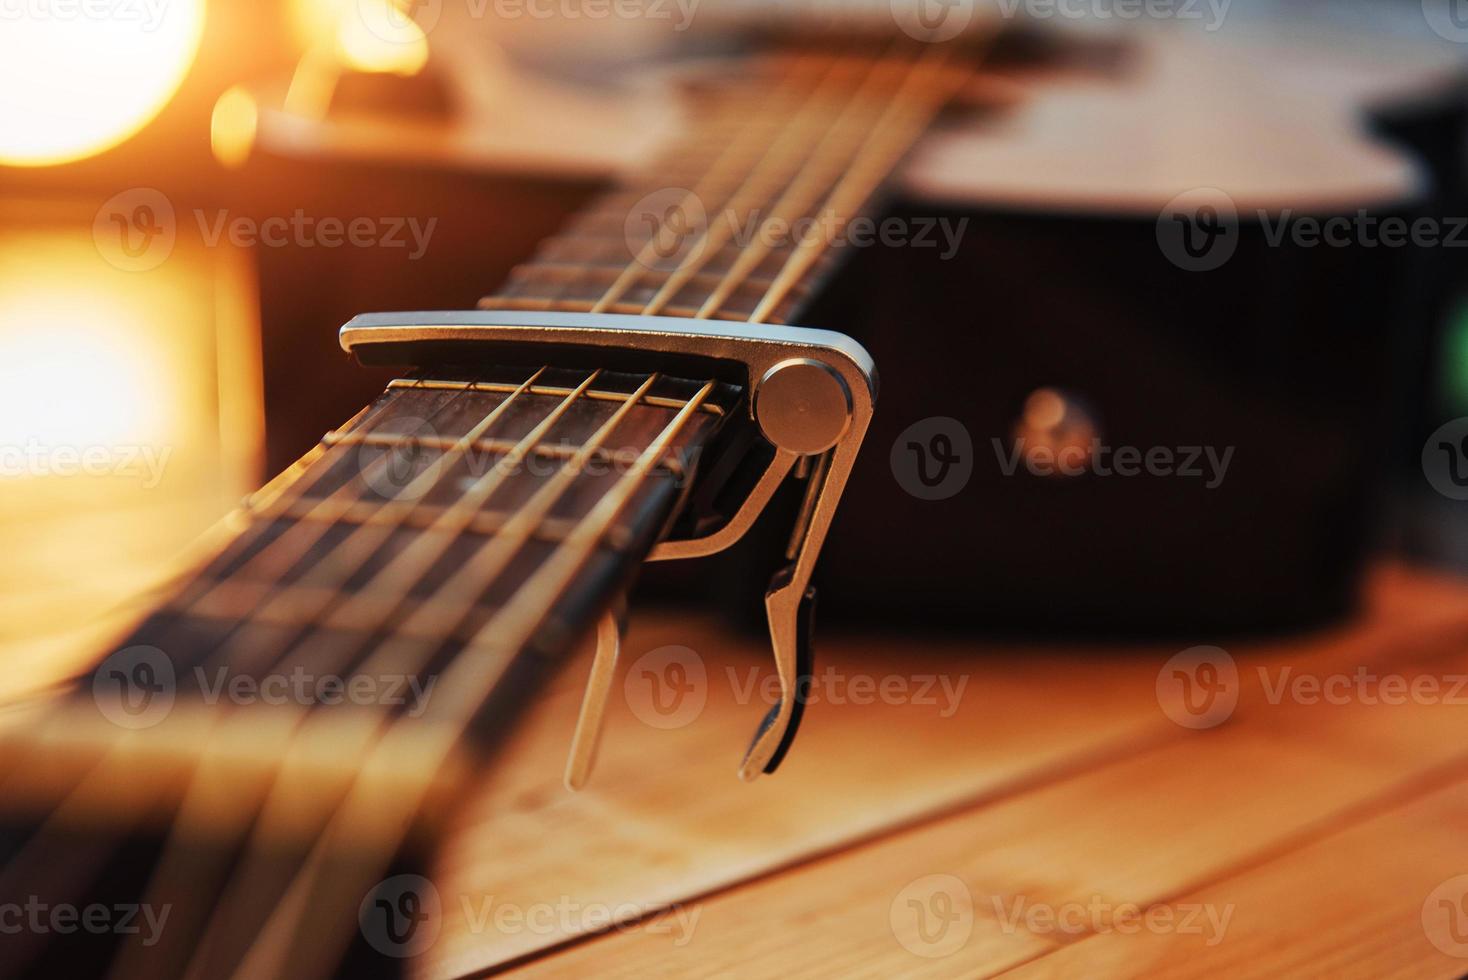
(1146, 827)
(1387, 897)
(1135, 831)
(665, 817)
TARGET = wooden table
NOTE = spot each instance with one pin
(1042, 815)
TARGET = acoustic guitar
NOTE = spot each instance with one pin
(287, 730)
(1096, 242)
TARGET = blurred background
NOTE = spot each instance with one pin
(197, 193)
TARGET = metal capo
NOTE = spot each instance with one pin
(811, 395)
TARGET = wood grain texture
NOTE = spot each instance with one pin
(1057, 788)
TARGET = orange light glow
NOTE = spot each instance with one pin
(382, 37)
(364, 35)
(75, 81)
(232, 127)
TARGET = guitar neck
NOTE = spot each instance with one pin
(277, 730)
(388, 608)
(745, 216)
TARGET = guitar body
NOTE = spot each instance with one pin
(1043, 263)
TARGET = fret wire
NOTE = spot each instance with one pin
(296, 542)
(197, 810)
(756, 190)
(808, 186)
(659, 401)
(529, 606)
(379, 658)
(364, 542)
(516, 533)
(724, 168)
(489, 447)
(857, 186)
(274, 493)
(373, 823)
(629, 269)
(573, 568)
(364, 416)
(496, 553)
(371, 604)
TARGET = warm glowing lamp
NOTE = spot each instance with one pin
(76, 80)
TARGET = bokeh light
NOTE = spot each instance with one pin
(79, 79)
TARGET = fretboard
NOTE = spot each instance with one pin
(459, 513)
(744, 217)
(389, 605)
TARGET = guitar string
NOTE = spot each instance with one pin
(377, 815)
(800, 196)
(762, 194)
(461, 663)
(335, 653)
(729, 156)
(461, 660)
(858, 184)
(101, 774)
(392, 815)
(381, 657)
(311, 481)
(319, 517)
(490, 562)
(323, 566)
(771, 158)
